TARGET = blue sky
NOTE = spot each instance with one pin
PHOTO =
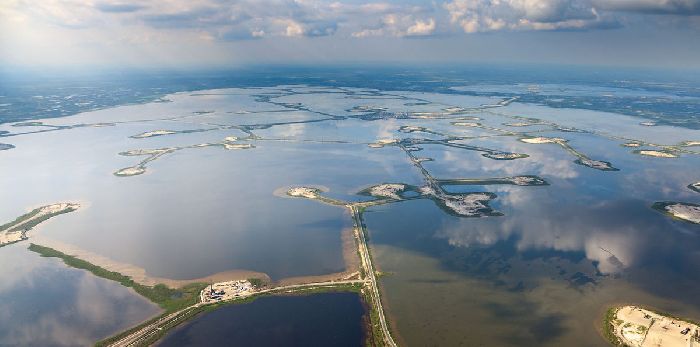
(218, 33)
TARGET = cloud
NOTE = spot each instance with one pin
(399, 25)
(118, 7)
(675, 7)
(421, 28)
(491, 15)
(228, 20)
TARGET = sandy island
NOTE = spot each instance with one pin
(638, 327)
(16, 230)
(686, 211)
(658, 154)
(543, 140)
(466, 124)
(153, 133)
(694, 187)
(386, 190)
(383, 142)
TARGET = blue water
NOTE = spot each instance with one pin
(329, 319)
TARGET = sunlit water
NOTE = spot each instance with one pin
(541, 274)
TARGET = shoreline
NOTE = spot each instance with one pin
(634, 325)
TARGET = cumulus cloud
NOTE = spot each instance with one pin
(250, 19)
(493, 15)
(118, 7)
(677, 7)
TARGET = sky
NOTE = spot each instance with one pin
(221, 33)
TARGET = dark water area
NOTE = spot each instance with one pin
(328, 319)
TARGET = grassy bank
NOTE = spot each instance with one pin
(609, 327)
(167, 298)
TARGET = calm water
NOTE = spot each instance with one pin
(44, 303)
(541, 274)
(544, 273)
(329, 319)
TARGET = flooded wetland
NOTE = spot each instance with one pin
(491, 217)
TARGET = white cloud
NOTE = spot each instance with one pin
(493, 15)
(421, 28)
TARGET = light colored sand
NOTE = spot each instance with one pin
(466, 205)
(238, 145)
(130, 171)
(648, 124)
(137, 152)
(686, 212)
(466, 124)
(303, 192)
(632, 144)
(154, 133)
(638, 327)
(389, 190)
(383, 142)
(659, 154)
(227, 290)
(18, 231)
(523, 180)
(690, 143)
(519, 124)
(543, 140)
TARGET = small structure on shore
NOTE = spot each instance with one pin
(638, 327)
(228, 290)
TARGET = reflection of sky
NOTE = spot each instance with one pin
(569, 90)
(44, 303)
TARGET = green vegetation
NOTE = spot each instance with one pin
(19, 222)
(256, 282)
(19, 219)
(375, 335)
(609, 327)
(167, 298)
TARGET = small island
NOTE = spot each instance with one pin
(596, 164)
(383, 142)
(637, 327)
(16, 230)
(523, 180)
(504, 155)
(153, 134)
(385, 191)
(685, 211)
(658, 154)
(538, 140)
(467, 124)
(694, 187)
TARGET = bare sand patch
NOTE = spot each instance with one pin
(658, 154)
(638, 327)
